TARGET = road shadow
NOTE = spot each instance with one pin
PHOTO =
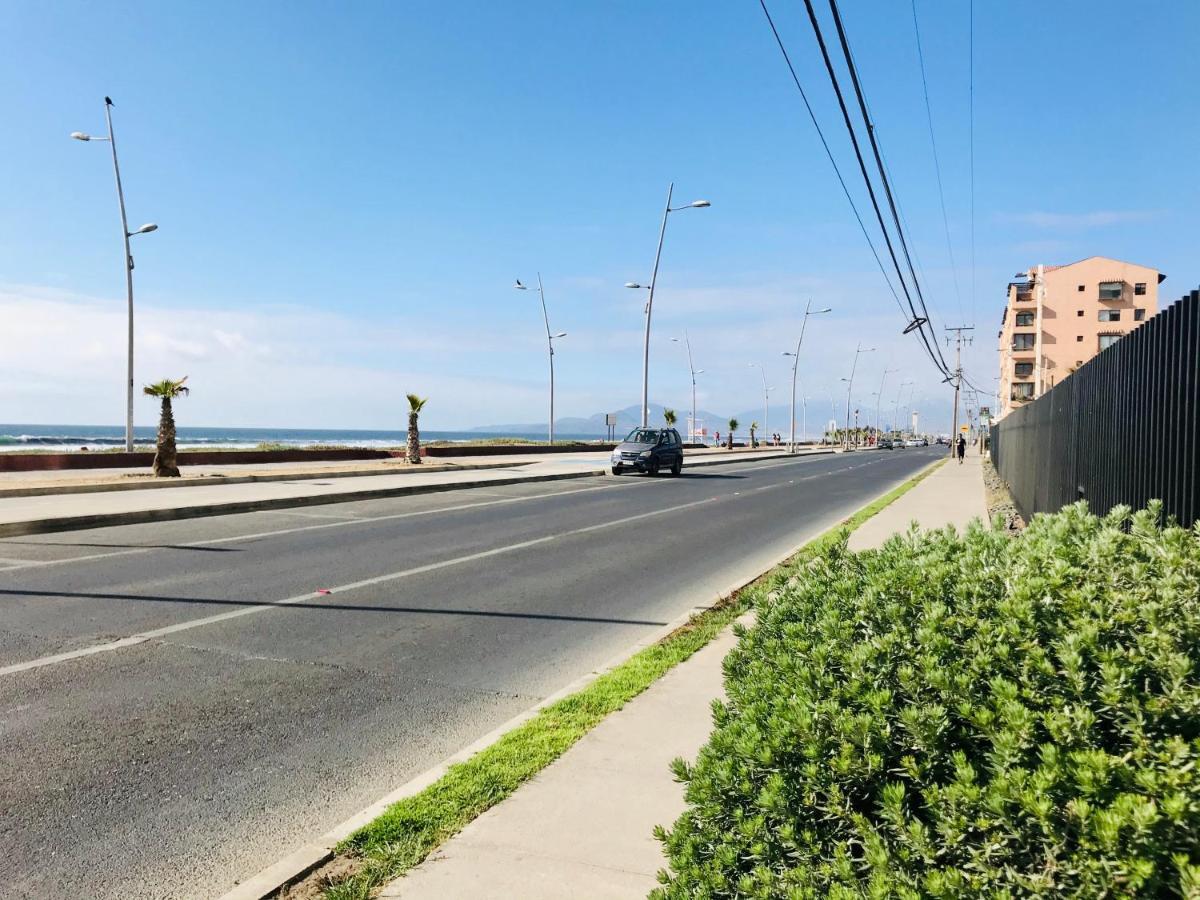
(320, 602)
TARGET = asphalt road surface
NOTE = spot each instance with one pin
(178, 710)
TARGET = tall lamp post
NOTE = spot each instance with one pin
(667, 210)
(850, 385)
(808, 311)
(550, 339)
(694, 372)
(766, 394)
(879, 402)
(128, 264)
(896, 406)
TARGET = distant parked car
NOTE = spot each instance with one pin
(649, 450)
(913, 442)
(885, 444)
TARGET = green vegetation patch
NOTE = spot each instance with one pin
(961, 716)
(413, 827)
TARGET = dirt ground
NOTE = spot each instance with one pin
(999, 500)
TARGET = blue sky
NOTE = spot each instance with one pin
(345, 193)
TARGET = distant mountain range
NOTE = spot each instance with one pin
(630, 416)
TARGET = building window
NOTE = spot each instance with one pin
(1081, 289)
(1139, 315)
(1022, 390)
(1079, 337)
(1140, 288)
(1022, 342)
(1107, 340)
(1023, 369)
(1024, 319)
(1110, 315)
(1111, 290)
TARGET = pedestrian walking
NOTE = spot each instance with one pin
(961, 446)
(718, 435)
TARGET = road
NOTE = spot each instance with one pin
(178, 709)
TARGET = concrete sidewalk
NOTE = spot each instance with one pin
(584, 826)
(57, 511)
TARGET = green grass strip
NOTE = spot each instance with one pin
(410, 829)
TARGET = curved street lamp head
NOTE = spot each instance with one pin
(146, 229)
(788, 353)
(816, 311)
(519, 286)
(80, 136)
(560, 334)
(632, 284)
(698, 372)
(699, 204)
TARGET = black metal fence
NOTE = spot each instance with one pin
(1124, 428)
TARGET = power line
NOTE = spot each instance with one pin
(971, 44)
(870, 187)
(937, 165)
(837, 171)
(883, 174)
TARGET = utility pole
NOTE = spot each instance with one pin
(957, 376)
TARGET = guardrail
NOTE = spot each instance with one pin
(1123, 428)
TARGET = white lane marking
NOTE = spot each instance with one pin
(251, 609)
(313, 515)
(8, 561)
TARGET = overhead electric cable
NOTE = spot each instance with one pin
(933, 352)
(829, 153)
(883, 175)
(937, 164)
(971, 51)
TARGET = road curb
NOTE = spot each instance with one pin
(141, 516)
(297, 865)
(210, 480)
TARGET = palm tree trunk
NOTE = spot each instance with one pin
(164, 457)
(414, 439)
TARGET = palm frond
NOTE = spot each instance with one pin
(168, 387)
(415, 403)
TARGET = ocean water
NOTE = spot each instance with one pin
(16, 438)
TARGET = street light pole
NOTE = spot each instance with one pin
(896, 405)
(850, 386)
(766, 395)
(550, 338)
(126, 234)
(879, 402)
(694, 372)
(662, 232)
(808, 311)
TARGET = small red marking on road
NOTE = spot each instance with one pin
(324, 591)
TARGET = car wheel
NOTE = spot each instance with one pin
(616, 470)
(676, 467)
(652, 467)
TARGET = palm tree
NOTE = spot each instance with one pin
(165, 465)
(415, 405)
(753, 428)
(669, 417)
(733, 424)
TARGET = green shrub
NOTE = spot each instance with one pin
(974, 716)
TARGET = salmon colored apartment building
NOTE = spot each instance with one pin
(1059, 317)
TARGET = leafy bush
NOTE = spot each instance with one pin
(974, 716)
